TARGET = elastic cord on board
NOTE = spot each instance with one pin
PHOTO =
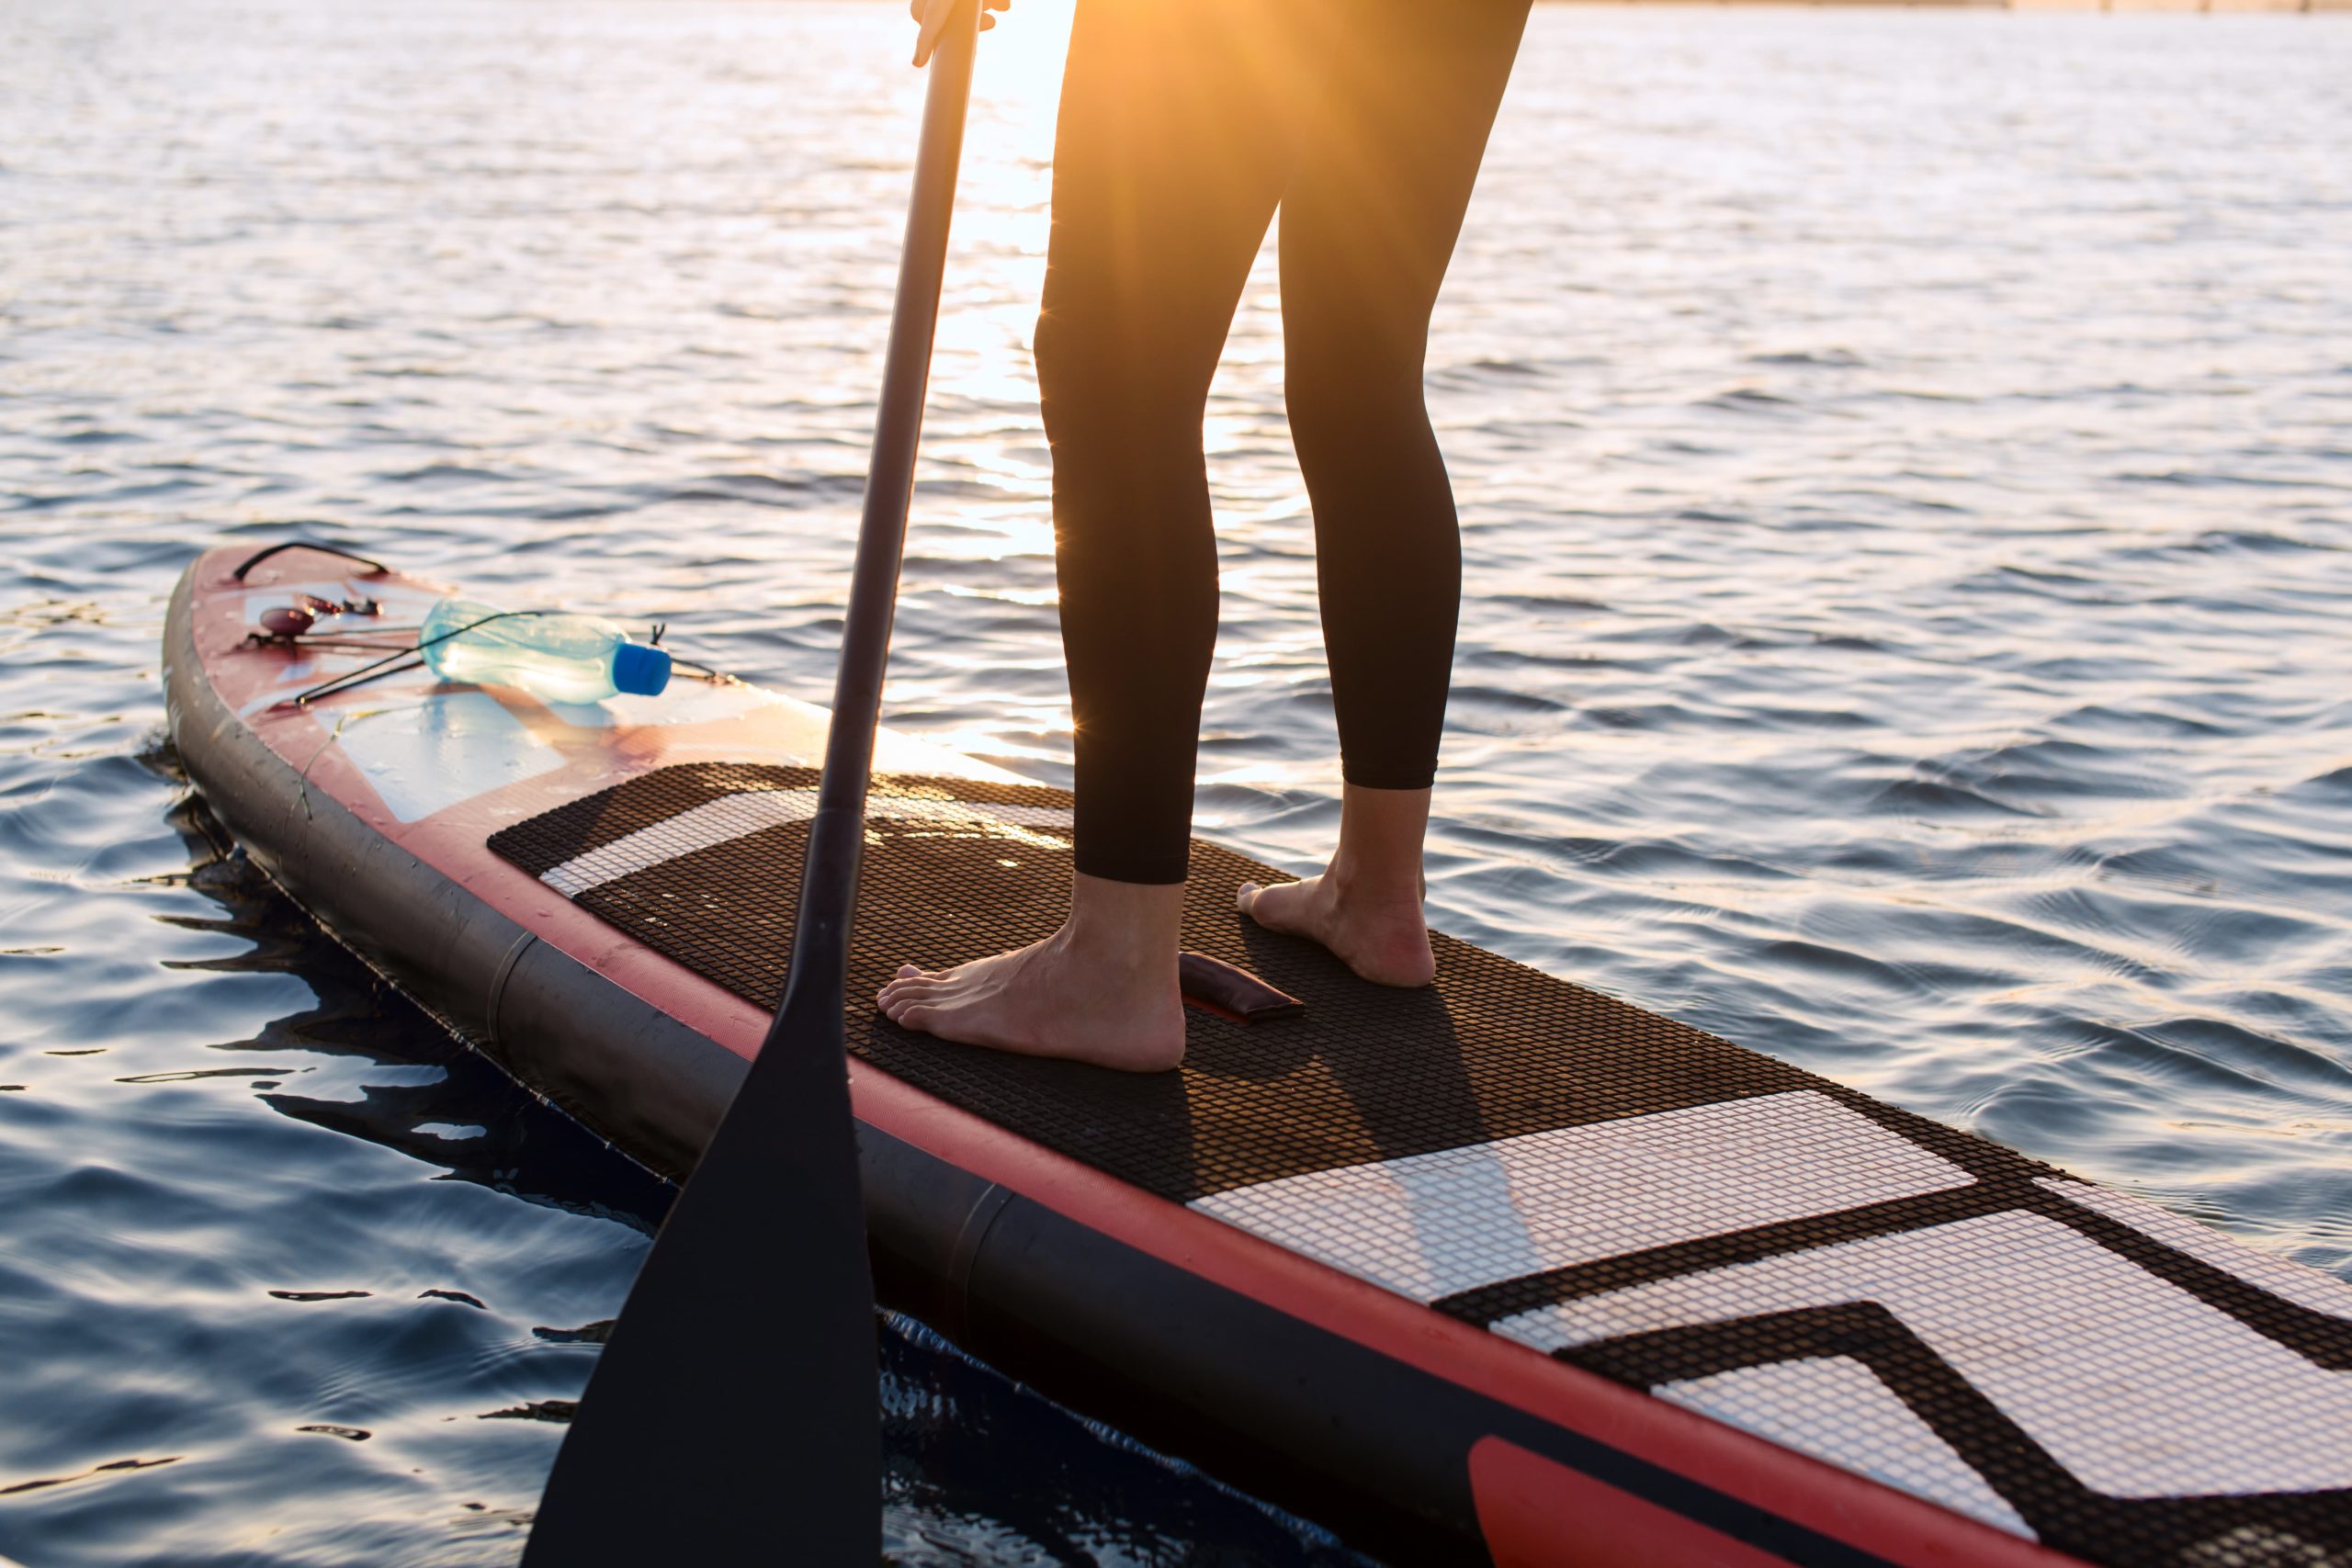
(390, 663)
(410, 657)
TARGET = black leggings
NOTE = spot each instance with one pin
(1184, 124)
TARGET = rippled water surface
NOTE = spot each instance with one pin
(1907, 462)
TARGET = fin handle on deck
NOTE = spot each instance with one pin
(1222, 987)
(375, 569)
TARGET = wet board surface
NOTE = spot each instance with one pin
(1559, 1170)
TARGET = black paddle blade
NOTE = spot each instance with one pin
(733, 1415)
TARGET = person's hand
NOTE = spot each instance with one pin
(932, 19)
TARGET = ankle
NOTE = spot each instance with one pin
(1378, 862)
(1124, 929)
(1352, 882)
(1116, 953)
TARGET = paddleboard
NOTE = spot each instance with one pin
(1503, 1269)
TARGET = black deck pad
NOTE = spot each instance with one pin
(1494, 1049)
(702, 862)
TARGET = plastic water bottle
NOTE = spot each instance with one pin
(558, 658)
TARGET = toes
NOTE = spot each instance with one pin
(1272, 907)
(910, 975)
(900, 993)
(902, 1007)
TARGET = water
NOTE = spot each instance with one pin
(1909, 510)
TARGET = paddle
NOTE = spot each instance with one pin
(732, 1417)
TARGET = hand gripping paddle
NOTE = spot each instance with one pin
(732, 1417)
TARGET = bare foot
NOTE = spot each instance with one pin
(1383, 938)
(1102, 989)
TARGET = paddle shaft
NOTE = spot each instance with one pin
(837, 834)
(733, 1415)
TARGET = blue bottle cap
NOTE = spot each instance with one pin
(641, 671)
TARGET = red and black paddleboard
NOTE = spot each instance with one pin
(1503, 1268)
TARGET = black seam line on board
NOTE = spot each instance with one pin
(2322, 1340)
(515, 952)
(970, 1236)
(1686, 1498)
(2059, 1509)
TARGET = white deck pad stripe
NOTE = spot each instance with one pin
(2282, 1276)
(739, 815)
(2137, 1387)
(1432, 1225)
(1835, 1407)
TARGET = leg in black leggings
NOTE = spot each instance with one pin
(1172, 149)
(1368, 223)
(1184, 124)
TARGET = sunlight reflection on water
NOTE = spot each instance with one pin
(1908, 515)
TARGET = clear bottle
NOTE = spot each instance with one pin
(557, 657)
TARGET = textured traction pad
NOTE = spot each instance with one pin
(1961, 1322)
